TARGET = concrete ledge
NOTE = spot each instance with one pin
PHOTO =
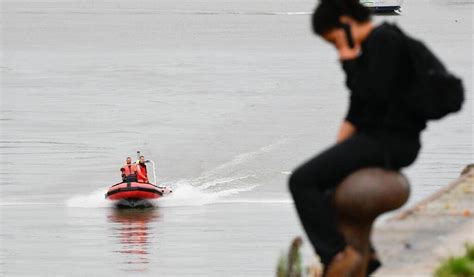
(415, 241)
(464, 181)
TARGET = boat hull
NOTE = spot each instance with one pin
(134, 203)
(383, 6)
(133, 190)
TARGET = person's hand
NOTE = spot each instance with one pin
(346, 130)
(338, 38)
(347, 53)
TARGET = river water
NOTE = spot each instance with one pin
(227, 97)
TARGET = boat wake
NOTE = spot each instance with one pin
(211, 188)
(94, 200)
(185, 194)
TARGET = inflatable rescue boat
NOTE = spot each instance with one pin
(136, 194)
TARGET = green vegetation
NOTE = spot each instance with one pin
(462, 266)
(291, 265)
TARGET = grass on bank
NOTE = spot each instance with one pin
(291, 265)
(461, 266)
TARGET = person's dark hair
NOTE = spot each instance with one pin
(327, 13)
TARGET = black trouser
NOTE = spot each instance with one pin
(313, 183)
(130, 178)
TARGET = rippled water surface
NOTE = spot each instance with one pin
(227, 97)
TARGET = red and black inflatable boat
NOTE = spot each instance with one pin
(135, 194)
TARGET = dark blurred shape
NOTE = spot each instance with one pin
(360, 199)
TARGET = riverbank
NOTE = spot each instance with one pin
(416, 241)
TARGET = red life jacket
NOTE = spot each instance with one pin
(128, 170)
(142, 173)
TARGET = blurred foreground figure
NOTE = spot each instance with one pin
(378, 131)
(396, 85)
(358, 201)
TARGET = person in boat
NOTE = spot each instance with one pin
(129, 171)
(378, 131)
(142, 172)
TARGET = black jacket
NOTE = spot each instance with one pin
(378, 80)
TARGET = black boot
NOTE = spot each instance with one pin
(374, 262)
